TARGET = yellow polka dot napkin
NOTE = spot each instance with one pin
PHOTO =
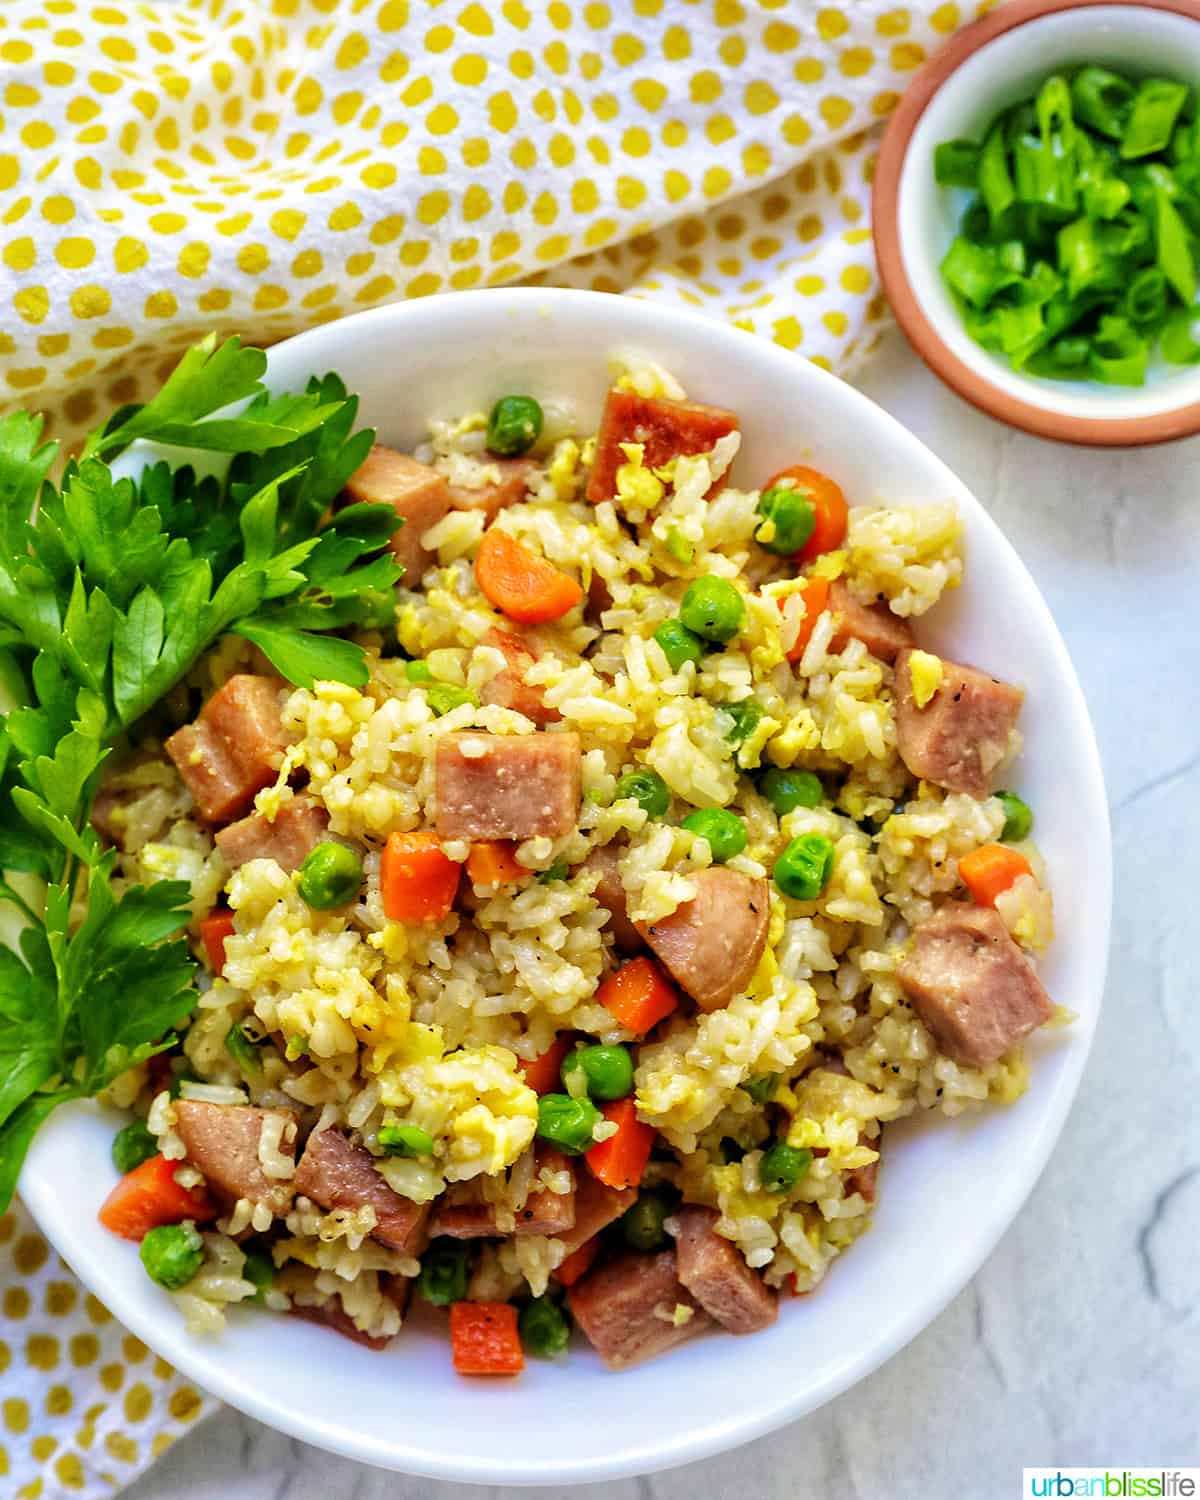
(262, 165)
(84, 1406)
(258, 166)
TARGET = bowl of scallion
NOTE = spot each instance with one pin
(1037, 218)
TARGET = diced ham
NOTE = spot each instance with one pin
(716, 1273)
(507, 786)
(971, 984)
(222, 1141)
(963, 732)
(491, 499)
(298, 828)
(610, 894)
(234, 748)
(596, 1207)
(864, 1179)
(419, 495)
(508, 688)
(712, 944)
(627, 1308)
(665, 429)
(884, 634)
(331, 1314)
(335, 1173)
(462, 1213)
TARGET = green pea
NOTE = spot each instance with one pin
(443, 1277)
(259, 1271)
(761, 1086)
(557, 871)
(133, 1145)
(330, 876)
(788, 521)
(787, 790)
(567, 1123)
(679, 644)
(405, 1140)
(1018, 818)
(514, 425)
(172, 1254)
(643, 1224)
(782, 1167)
(598, 1073)
(713, 608)
(418, 671)
(746, 716)
(802, 871)
(543, 1328)
(725, 831)
(444, 696)
(243, 1051)
(648, 790)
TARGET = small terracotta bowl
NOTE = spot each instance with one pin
(982, 70)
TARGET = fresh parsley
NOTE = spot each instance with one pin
(112, 585)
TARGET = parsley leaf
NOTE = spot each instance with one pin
(112, 585)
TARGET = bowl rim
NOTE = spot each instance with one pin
(1088, 431)
(203, 1363)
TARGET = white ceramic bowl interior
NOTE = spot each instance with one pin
(948, 1187)
(1004, 71)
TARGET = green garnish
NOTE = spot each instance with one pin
(1077, 254)
(782, 1167)
(557, 871)
(405, 1140)
(108, 597)
(444, 696)
(244, 1052)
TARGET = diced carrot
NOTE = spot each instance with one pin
(815, 594)
(579, 1261)
(542, 1074)
(521, 584)
(484, 1340)
(991, 869)
(214, 929)
(149, 1196)
(620, 1160)
(828, 503)
(492, 862)
(639, 995)
(418, 881)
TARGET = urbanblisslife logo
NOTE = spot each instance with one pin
(1113, 1484)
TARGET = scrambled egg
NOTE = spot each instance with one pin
(926, 672)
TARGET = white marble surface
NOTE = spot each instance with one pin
(1079, 1341)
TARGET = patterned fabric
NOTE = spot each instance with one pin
(258, 166)
(84, 1406)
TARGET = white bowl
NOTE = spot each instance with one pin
(984, 70)
(949, 1189)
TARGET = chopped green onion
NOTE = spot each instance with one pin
(956, 164)
(1119, 353)
(243, 1051)
(1174, 251)
(1102, 100)
(557, 871)
(1152, 117)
